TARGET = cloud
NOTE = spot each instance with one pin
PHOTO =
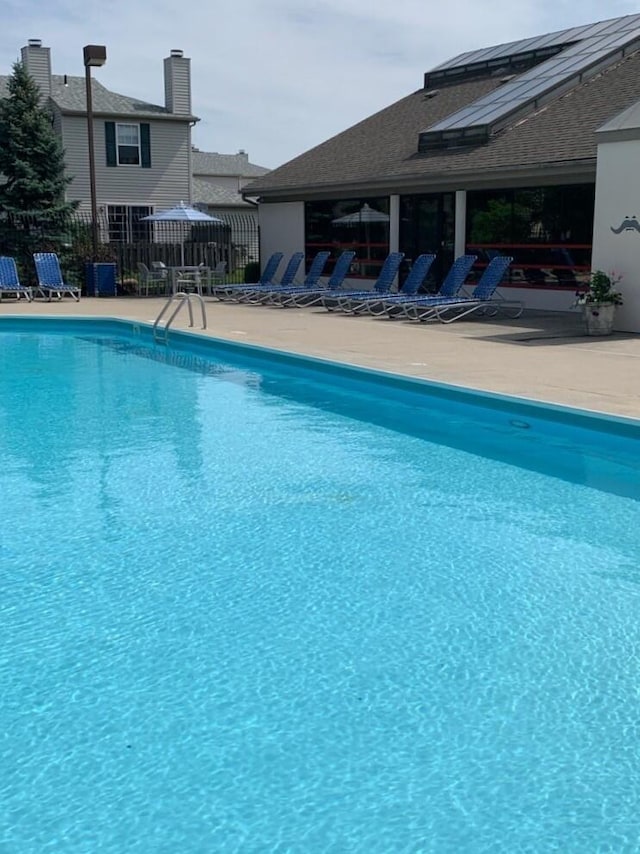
(276, 77)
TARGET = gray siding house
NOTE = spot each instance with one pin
(218, 180)
(143, 151)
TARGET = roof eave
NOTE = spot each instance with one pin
(171, 117)
(573, 170)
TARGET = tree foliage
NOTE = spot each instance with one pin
(31, 156)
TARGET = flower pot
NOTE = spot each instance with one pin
(598, 317)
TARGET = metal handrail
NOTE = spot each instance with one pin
(181, 297)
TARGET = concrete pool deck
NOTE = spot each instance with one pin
(542, 356)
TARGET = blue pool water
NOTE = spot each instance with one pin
(245, 608)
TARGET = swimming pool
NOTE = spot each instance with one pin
(255, 603)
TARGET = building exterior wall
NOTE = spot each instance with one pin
(281, 228)
(164, 184)
(616, 248)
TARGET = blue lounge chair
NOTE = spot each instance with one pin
(245, 293)
(257, 293)
(10, 281)
(50, 281)
(225, 290)
(306, 297)
(341, 299)
(270, 294)
(483, 298)
(395, 304)
(417, 275)
(270, 268)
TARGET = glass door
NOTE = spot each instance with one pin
(427, 224)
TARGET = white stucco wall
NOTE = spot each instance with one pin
(618, 199)
(542, 299)
(281, 229)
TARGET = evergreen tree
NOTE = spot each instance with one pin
(31, 156)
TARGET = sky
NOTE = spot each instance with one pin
(277, 77)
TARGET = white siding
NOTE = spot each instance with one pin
(165, 184)
(281, 228)
(618, 199)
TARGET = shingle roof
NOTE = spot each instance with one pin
(70, 97)
(206, 193)
(627, 120)
(212, 163)
(383, 148)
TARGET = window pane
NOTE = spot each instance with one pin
(427, 224)
(128, 134)
(117, 215)
(129, 155)
(547, 230)
(140, 231)
(361, 225)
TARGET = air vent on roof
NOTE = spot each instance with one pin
(177, 53)
(35, 42)
(431, 94)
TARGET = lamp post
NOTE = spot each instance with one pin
(94, 56)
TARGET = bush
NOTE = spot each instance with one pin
(251, 272)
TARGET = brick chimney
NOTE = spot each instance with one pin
(37, 60)
(177, 83)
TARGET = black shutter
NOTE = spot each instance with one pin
(145, 146)
(110, 140)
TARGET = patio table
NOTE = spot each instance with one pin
(189, 276)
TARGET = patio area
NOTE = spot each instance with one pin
(542, 356)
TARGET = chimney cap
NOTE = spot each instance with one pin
(34, 43)
(177, 53)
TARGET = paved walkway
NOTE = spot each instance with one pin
(540, 356)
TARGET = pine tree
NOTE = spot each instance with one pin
(31, 156)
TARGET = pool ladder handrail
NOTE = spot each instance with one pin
(181, 297)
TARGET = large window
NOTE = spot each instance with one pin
(547, 230)
(361, 225)
(128, 145)
(126, 225)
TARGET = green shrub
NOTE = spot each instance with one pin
(251, 272)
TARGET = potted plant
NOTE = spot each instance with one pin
(599, 302)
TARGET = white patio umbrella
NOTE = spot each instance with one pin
(181, 213)
(365, 216)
